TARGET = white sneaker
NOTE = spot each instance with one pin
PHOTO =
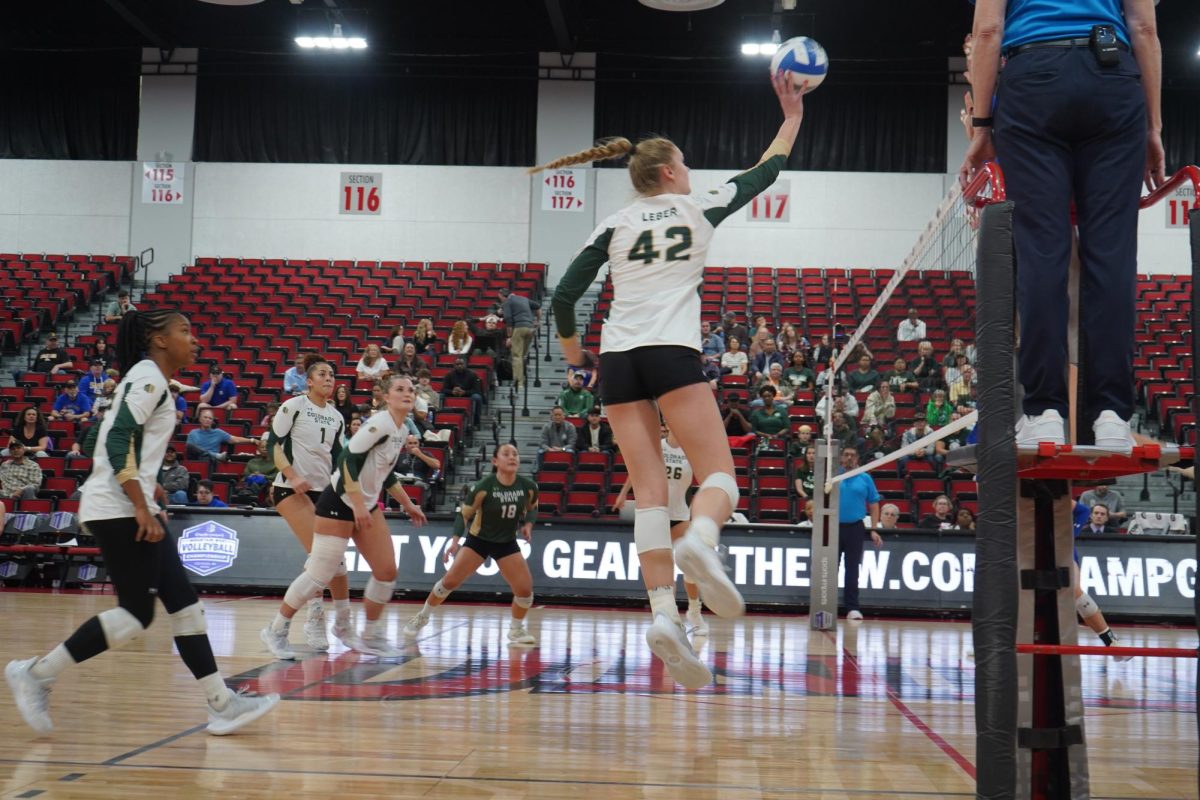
(242, 709)
(342, 631)
(702, 564)
(414, 625)
(519, 634)
(668, 641)
(375, 645)
(1046, 427)
(278, 644)
(1112, 432)
(696, 619)
(854, 616)
(314, 627)
(32, 695)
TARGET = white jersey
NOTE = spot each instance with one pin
(305, 437)
(132, 441)
(369, 459)
(679, 480)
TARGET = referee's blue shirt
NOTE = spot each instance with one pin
(1028, 21)
(853, 498)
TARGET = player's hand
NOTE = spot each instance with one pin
(416, 516)
(1156, 161)
(362, 517)
(527, 531)
(149, 529)
(980, 151)
(791, 99)
(451, 549)
(301, 486)
(876, 539)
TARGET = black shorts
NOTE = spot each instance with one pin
(279, 493)
(492, 550)
(647, 373)
(330, 506)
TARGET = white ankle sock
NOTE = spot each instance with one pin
(427, 609)
(662, 601)
(51, 664)
(280, 624)
(215, 690)
(693, 605)
(370, 627)
(341, 609)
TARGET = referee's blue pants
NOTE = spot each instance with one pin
(1066, 127)
(851, 536)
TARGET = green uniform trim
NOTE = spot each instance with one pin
(280, 448)
(123, 445)
(749, 183)
(578, 278)
(501, 510)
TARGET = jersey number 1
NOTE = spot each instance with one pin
(643, 247)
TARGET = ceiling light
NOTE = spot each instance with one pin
(357, 43)
(305, 41)
(337, 41)
(322, 42)
(768, 49)
(750, 48)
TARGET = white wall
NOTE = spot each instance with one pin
(64, 206)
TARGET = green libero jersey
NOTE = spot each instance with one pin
(504, 508)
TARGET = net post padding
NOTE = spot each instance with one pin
(995, 602)
(823, 602)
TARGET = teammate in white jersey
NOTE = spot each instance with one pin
(305, 442)
(650, 351)
(679, 480)
(349, 506)
(120, 507)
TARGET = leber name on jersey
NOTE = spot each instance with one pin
(503, 507)
(306, 436)
(132, 441)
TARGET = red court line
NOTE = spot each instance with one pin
(1100, 650)
(918, 723)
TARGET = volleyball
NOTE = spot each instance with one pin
(804, 60)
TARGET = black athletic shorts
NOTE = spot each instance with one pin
(330, 506)
(647, 373)
(279, 493)
(492, 550)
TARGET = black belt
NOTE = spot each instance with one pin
(1084, 42)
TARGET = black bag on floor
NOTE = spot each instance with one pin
(504, 368)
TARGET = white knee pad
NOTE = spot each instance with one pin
(1085, 605)
(341, 570)
(378, 591)
(189, 621)
(726, 483)
(441, 591)
(319, 569)
(524, 602)
(651, 529)
(120, 627)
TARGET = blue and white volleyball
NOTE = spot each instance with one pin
(804, 60)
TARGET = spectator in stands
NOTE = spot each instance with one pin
(783, 390)
(52, 359)
(259, 473)
(857, 499)
(596, 436)
(71, 405)
(769, 421)
(845, 432)
(269, 414)
(206, 441)
(205, 496)
(295, 381)
(734, 361)
(395, 342)
(821, 352)
(20, 477)
(1112, 501)
(180, 404)
(1099, 520)
(425, 390)
(373, 363)
(805, 470)
(880, 407)
(889, 517)
(342, 402)
(730, 327)
(92, 382)
(734, 415)
(789, 342)
(31, 432)
(937, 410)
(911, 329)
(900, 379)
(875, 444)
(460, 340)
(558, 435)
(942, 516)
(951, 374)
(918, 431)
(174, 478)
(767, 356)
(798, 373)
(85, 445)
(863, 379)
(961, 392)
(415, 466)
(964, 520)
(409, 363)
(957, 348)
(424, 338)
(119, 307)
(590, 370)
(575, 400)
(376, 403)
(802, 442)
(712, 373)
(712, 343)
(806, 517)
(462, 382)
(925, 367)
(99, 352)
(943, 446)
(219, 391)
(521, 317)
(762, 335)
(104, 400)
(846, 403)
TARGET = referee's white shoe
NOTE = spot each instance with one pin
(702, 564)
(32, 695)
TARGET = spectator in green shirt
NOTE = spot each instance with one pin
(576, 400)
(798, 373)
(770, 420)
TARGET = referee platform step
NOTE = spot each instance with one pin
(1048, 460)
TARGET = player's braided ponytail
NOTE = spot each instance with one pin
(602, 151)
(134, 332)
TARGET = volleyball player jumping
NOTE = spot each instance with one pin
(649, 351)
(120, 507)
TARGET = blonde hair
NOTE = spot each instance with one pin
(644, 159)
(424, 329)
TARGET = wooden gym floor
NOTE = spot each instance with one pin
(879, 710)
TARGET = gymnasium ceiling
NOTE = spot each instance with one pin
(863, 37)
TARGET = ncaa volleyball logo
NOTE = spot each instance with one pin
(207, 548)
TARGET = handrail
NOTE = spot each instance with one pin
(989, 174)
(1188, 173)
